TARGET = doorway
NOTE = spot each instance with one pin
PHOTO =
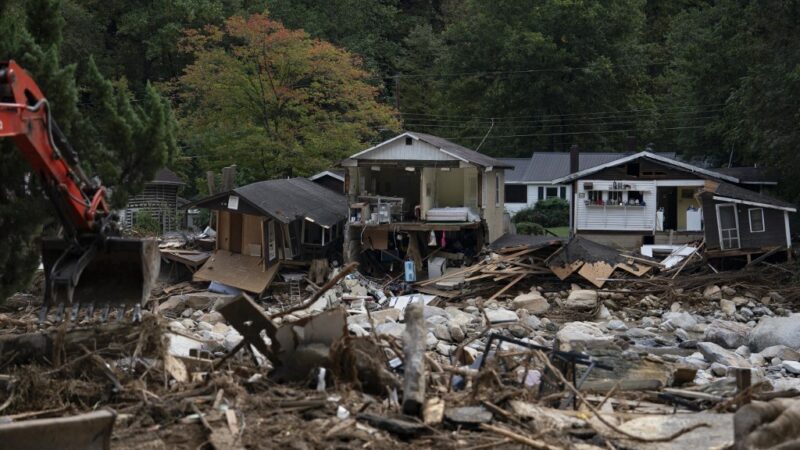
(667, 198)
(728, 223)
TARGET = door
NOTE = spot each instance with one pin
(728, 223)
(668, 200)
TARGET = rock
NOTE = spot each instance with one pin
(727, 334)
(458, 317)
(675, 307)
(468, 415)
(174, 303)
(501, 315)
(232, 339)
(781, 351)
(456, 333)
(740, 301)
(756, 360)
(776, 331)
(714, 353)
(680, 320)
(212, 317)
(576, 333)
(205, 326)
(220, 328)
(743, 351)
(532, 321)
(617, 325)
(518, 331)
(378, 317)
(682, 335)
(532, 301)
(443, 348)
(776, 297)
(581, 298)
(204, 299)
(712, 292)
(187, 312)
(727, 307)
(638, 333)
(430, 341)
(792, 367)
(431, 311)
(189, 324)
(718, 369)
(603, 313)
(441, 332)
(391, 328)
(729, 291)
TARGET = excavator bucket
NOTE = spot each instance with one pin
(115, 273)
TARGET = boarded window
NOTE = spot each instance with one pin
(516, 193)
(756, 220)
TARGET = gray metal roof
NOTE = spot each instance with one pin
(732, 191)
(290, 199)
(461, 152)
(166, 176)
(548, 166)
(519, 167)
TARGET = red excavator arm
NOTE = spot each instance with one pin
(25, 117)
(111, 269)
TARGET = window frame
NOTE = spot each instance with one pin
(750, 220)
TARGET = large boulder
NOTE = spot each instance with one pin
(574, 334)
(581, 298)
(532, 301)
(679, 320)
(501, 315)
(727, 334)
(776, 331)
(713, 353)
(712, 292)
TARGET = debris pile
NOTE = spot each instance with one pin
(520, 348)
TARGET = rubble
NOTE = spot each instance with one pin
(506, 353)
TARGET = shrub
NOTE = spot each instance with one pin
(145, 223)
(530, 228)
(553, 212)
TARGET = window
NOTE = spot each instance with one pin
(314, 234)
(595, 197)
(756, 220)
(409, 140)
(516, 193)
(614, 197)
(635, 198)
(541, 193)
(552, 192)
(563, 194)
(497, 189)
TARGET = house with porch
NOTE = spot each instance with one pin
(648, 198)
(531, 179)
(416, 192)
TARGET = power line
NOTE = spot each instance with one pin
(605, 121)
(572, 133)
(517, 72)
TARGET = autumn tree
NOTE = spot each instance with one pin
(274, 101)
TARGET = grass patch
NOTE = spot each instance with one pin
(559, 231)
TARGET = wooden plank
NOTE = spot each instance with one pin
(507, 287)
(634, 269)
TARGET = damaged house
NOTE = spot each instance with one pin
(647, 198)
(159, 199)
(264, 226)
(416, 192)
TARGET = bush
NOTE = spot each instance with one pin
(553, 212)
(530, 228)
(145, 223)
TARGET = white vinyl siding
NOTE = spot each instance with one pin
(615, 217)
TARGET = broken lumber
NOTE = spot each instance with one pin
(414, 352)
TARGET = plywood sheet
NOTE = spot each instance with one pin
(597, 272)
(237, 270)
(562, 272)
(634, 269)
(251, 233)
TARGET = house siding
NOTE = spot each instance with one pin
(399, 151)
(618, 218)
(774, 233)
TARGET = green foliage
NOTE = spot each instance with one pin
(145, 223)
(530, 228)
(552, 212)
(274, 101)
(119, 140)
